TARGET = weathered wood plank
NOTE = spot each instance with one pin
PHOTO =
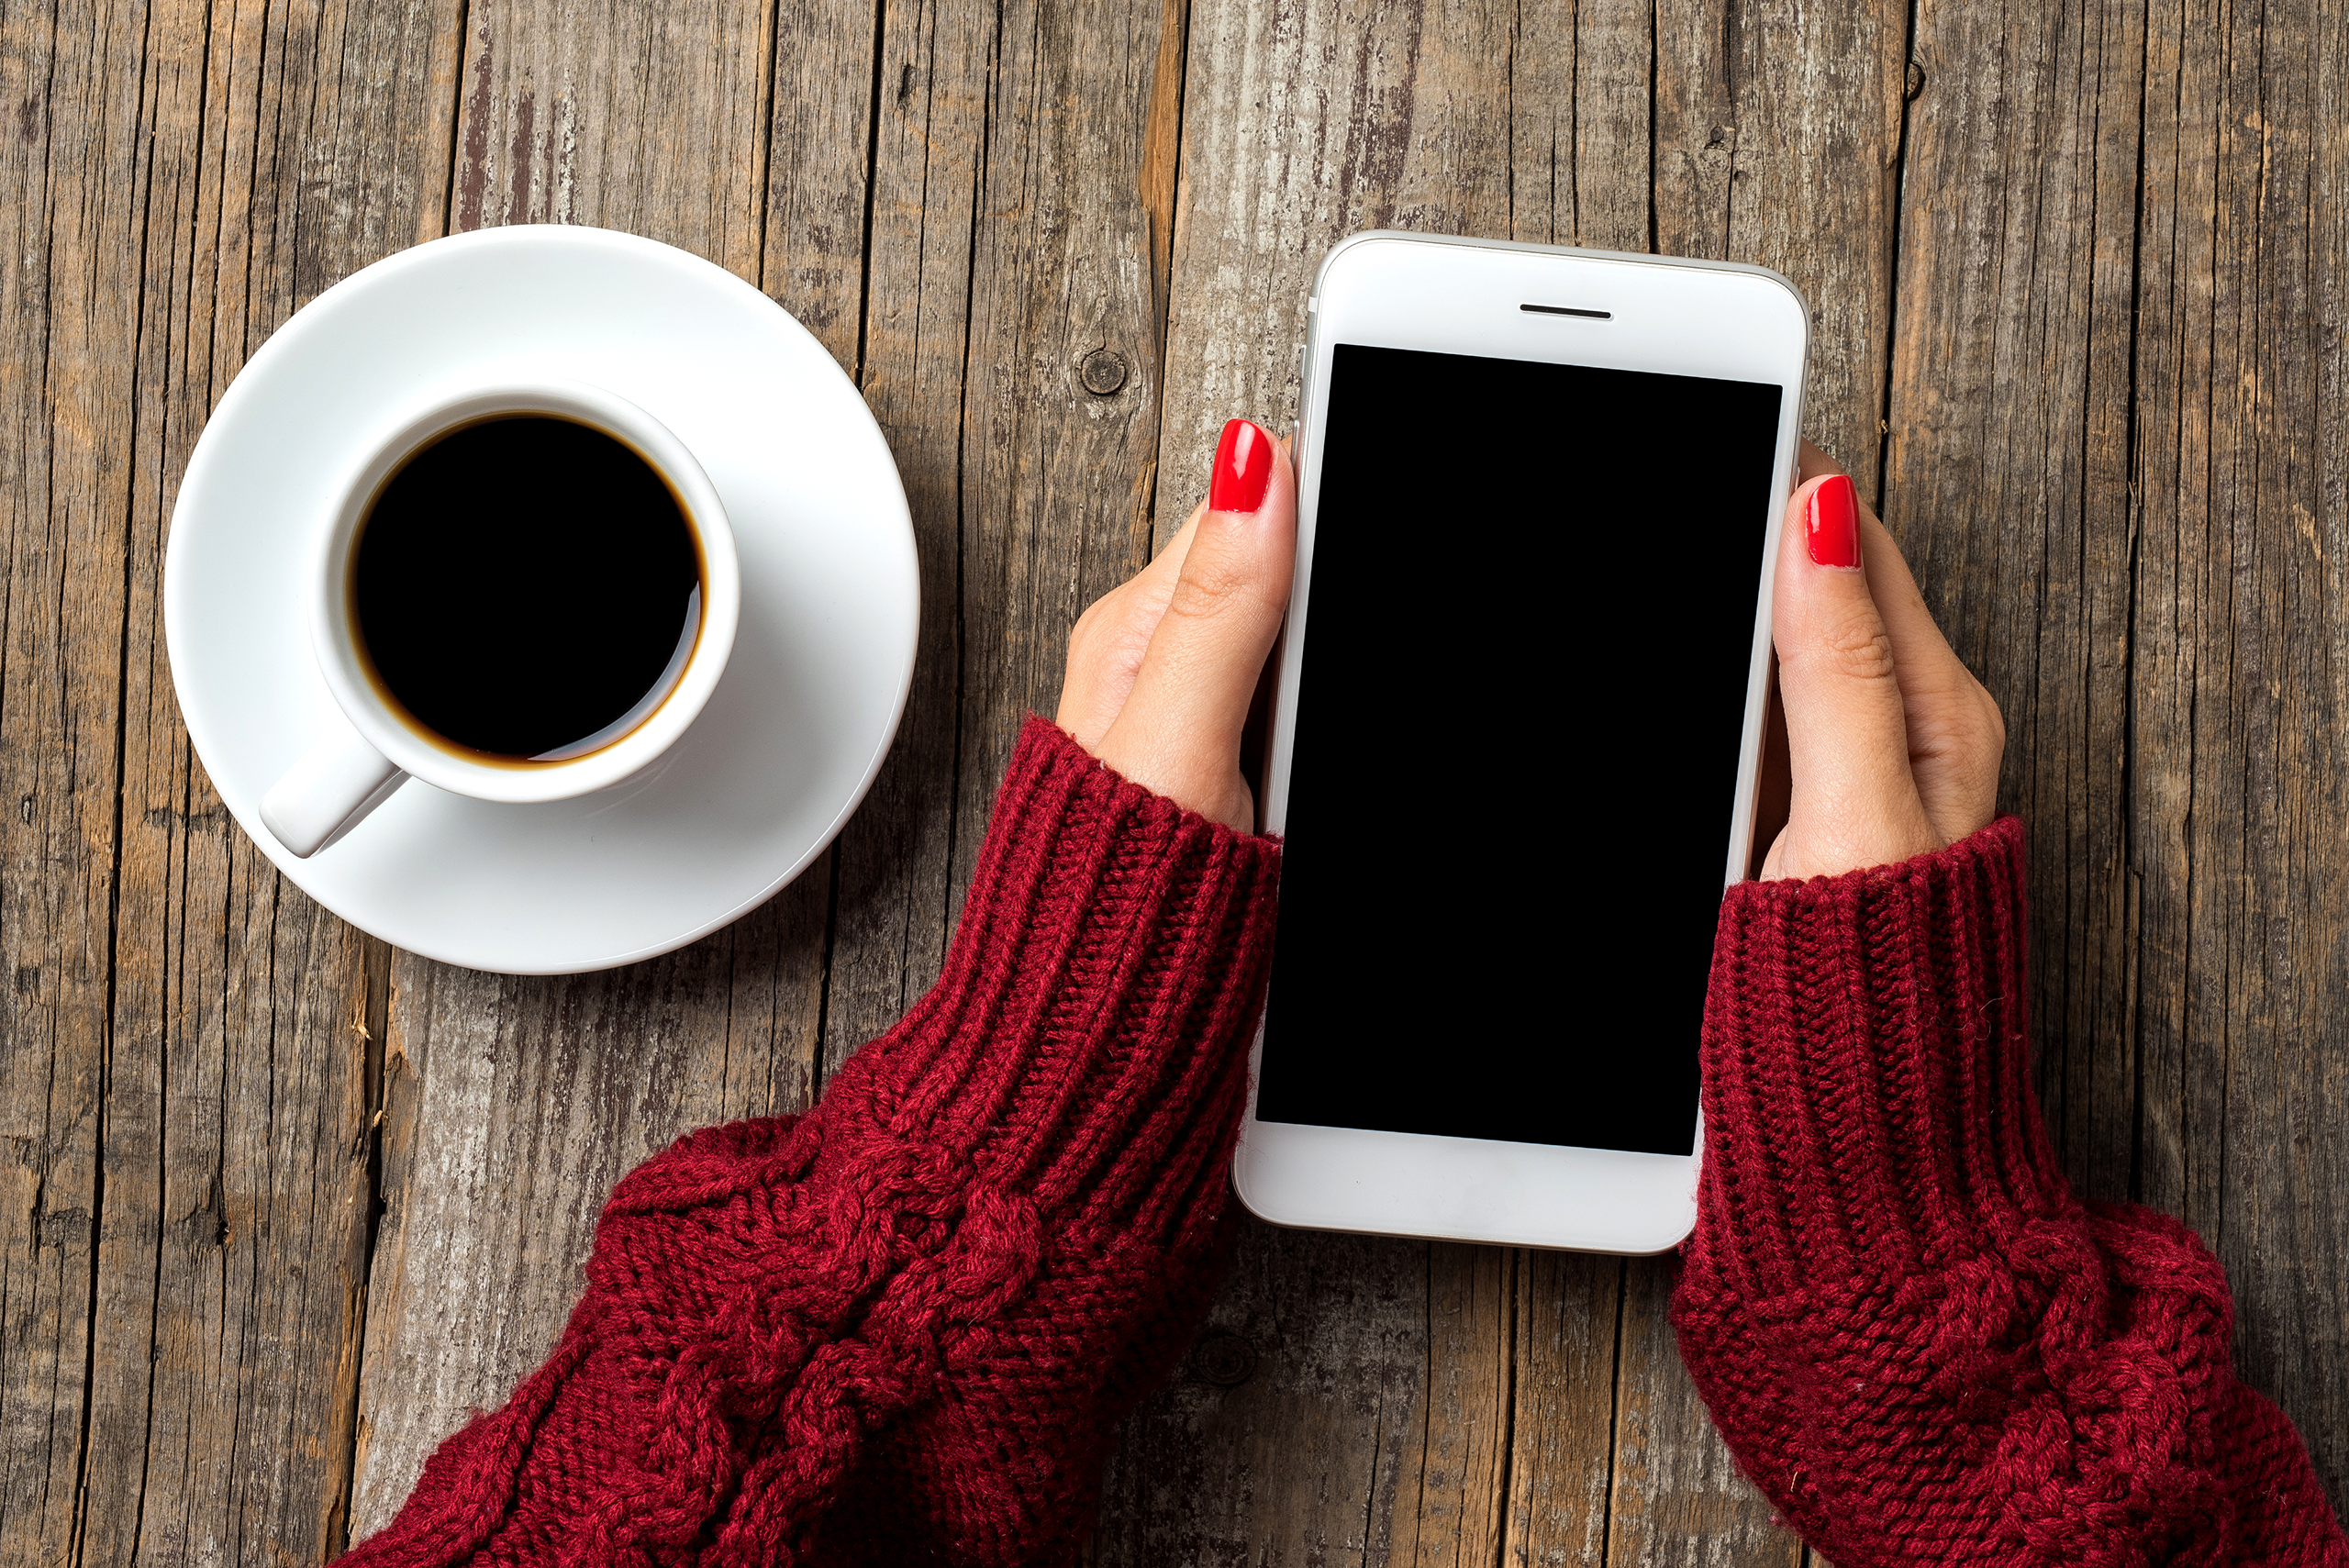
(512, 1106)
(232, 1257)
(1053, 467)
(1582, 109)
(1569, 1315)
(820, 121)
(2239, 692)
(890, 920)
(1451, 1501)
(2178, 578)
(2008, 480)
(73, 196)
(647, 118)
(1777, 139)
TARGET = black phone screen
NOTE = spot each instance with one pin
(1522, 699)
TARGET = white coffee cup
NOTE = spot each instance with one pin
(347, 773)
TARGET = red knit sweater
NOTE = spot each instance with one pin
(1914, 1338)
(900, 1329)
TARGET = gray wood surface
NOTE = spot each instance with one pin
(278, 1206)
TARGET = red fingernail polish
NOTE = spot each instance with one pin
(1243, 469)
(1834, 524)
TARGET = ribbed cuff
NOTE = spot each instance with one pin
(1869, 1109)
(1087, 1044)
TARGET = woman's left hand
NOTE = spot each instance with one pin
(1161, 670)
(1893, 744)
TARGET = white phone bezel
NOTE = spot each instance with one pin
(1719, 320)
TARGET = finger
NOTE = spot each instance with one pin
(1106, 645)
(1953, 723)
(1953, 749)
(1179, 731)
(1854, 802)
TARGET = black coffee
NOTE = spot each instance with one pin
(527, 587)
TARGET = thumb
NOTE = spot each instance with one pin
(1855, 801)
(1179, 731)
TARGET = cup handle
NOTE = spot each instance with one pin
(338, 780)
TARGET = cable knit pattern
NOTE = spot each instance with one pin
(1913, 1337)
(900, 1327)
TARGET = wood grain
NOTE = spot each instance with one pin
(1777, 140)
(649, 119)
(75, 219)
(231, 168)
(278, 1206)
(2009, 482)
(2240, 696)
(891, 910)
(1451, 1501)
(1052, 475)
(1561, 1426)
(819, 185)
(247, 1020)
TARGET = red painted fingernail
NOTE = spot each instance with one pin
(1833, 531)
(1243, 469)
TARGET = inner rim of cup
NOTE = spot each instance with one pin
(600, 741)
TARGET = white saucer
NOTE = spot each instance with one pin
(789, 741)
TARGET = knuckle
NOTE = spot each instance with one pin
(1210, 590)
(1087, 630)
(1107, 633)
(1946, 736)
(1993, 718)
(1857, 648)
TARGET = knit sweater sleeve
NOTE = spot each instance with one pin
(1913, 1337)
(901, 1326)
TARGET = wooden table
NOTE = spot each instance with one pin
(278, 1204)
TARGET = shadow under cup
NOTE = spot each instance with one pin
(526, 589)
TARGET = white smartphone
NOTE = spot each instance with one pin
(1516, 733)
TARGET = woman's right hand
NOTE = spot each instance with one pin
(1893, 744)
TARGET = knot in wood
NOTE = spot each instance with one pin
(1223, 1359)
(1914, 84)
(1103, 372)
